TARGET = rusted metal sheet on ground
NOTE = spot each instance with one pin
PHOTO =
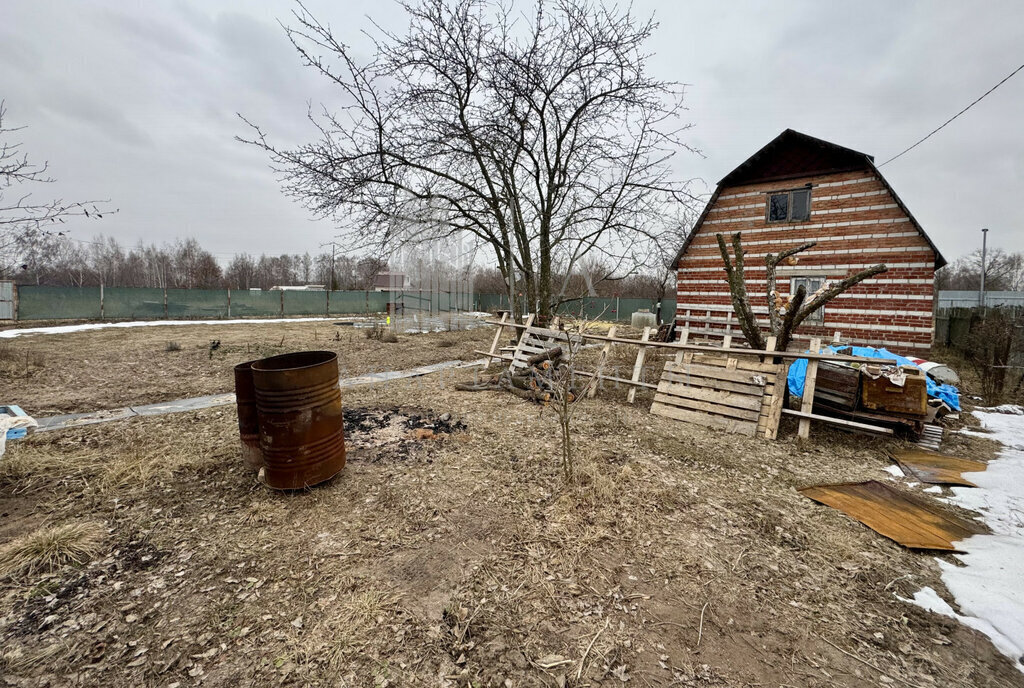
(938, 469)
(248, 423)
(909, 520)
(298, 405)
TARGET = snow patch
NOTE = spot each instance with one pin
(989, 588)
(928, 599)
(934, 489)
(65, 329)
(894, 470)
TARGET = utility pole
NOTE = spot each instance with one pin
(981, 289)
(333, 244)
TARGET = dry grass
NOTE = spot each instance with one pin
(51, 548)
(464, 560)
(113, 368)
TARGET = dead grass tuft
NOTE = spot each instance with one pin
(18, 661)
(172, 346)
(51, 548)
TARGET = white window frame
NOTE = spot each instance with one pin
(818, 316)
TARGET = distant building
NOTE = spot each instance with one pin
(798, 189)
(389, 281)
(300, 287)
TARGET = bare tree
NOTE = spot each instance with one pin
(1003, 272)
(24, 220)
(784, 315)
(542, 136)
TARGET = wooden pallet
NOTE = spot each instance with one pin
(736, 395)
(536, 340)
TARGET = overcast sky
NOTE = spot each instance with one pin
(135, 101)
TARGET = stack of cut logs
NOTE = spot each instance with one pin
(538, 380)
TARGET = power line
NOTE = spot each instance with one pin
(1007, 78)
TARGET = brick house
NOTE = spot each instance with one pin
(798, 189)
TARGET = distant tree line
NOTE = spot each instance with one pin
(59, 260)
(1003, 272)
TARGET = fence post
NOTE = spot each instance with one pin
(165, 303)
(101, 300)
(229, 302)
(282, 303)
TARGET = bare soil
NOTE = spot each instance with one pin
(457, 557)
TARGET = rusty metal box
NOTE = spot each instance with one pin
(880, 394)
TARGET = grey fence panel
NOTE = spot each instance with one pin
(133, 304)
(969, 299)
(58, 303)
(248, 304)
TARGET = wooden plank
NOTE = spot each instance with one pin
(497, 356)
(517, 356)
(625, 381)
(706, 407)
(738, 427)
(639, 365)
(701, 381)
(492, 354)
(777, 396)
(745, 363)
(713, 372)
(743, 352)
(810, 380)
(750, 402)
(684, 339)
(838, 421)
(601, 361)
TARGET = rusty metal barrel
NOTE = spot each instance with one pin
(248, 423)
(298, 406)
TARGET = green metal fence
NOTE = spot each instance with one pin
(122, 303)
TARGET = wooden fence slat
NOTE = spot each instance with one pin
(749, 402)
(746, 377)
(810, 379)
(601, 361)
(739, 427)
(702, 381)
(639, 365)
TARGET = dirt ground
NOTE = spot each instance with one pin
(113, 368)
(681, 557)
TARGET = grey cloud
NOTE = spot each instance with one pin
(137, 102)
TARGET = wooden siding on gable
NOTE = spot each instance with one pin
(856, 222)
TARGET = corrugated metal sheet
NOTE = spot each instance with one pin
(909, 520)
(938, 469)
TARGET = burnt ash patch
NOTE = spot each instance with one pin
(395, 433)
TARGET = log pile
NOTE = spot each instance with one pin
(541, 380)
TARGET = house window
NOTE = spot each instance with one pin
(811, 285)
(789, 206)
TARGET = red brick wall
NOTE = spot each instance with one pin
(856, 222)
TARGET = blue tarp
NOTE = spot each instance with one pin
(798, 371)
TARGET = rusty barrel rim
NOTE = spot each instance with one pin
(300, 360)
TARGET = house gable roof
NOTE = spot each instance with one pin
(792, 154)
